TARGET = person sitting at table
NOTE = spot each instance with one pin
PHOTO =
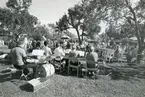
(73, 52)
(47, 50)
(87, 49)
(38, 45)
(91, 58)
(58, 51)
(38, 52)
(68, 48)
(18, 58)
(72, 55)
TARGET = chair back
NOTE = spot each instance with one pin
(73, 61)
(91, 64)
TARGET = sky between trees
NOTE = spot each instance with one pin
(48, 11)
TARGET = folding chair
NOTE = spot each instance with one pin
(74, 63)
(58, 64)
(22, 74)
(94, 68)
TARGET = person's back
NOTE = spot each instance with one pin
(73, 52)
(47, 51)
(73, 56)
(17, 55)
(38, 45)
(91, 58)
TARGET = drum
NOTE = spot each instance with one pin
(45, 70)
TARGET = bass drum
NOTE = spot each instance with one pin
(45, 70)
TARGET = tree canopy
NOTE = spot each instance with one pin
(16, 18)
(125, 19)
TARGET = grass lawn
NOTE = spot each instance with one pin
(72, 86)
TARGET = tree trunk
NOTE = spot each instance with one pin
(82, 35)
(78, 35)
(138, 35)
(82, 38)
(139, 52)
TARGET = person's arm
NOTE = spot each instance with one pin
(96, 57)
(63, 53)
(55, 50)
(24, 56)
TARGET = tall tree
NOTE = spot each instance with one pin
(81, 17)
(19, 5)
(20, 20)
(125, 10)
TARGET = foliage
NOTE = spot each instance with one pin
(17, 20)
(82, 18)
(19, 5)
(112, 32)
(62, 24)
(123, 13)
(124, 17)
(55, 32)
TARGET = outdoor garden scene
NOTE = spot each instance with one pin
(95, 49)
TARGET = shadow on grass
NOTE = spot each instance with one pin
(127, 74)
(118, 73)
(72, 72)
(5, 61)
(6, 75)
(27, 87)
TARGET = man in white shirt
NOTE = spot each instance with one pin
(47, 50)
(59, 50)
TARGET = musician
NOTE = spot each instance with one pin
(47, 50)
(18, 58)
(59, 51)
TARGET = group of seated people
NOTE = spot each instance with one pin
(19, 56)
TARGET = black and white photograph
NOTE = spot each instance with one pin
(72, 48)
